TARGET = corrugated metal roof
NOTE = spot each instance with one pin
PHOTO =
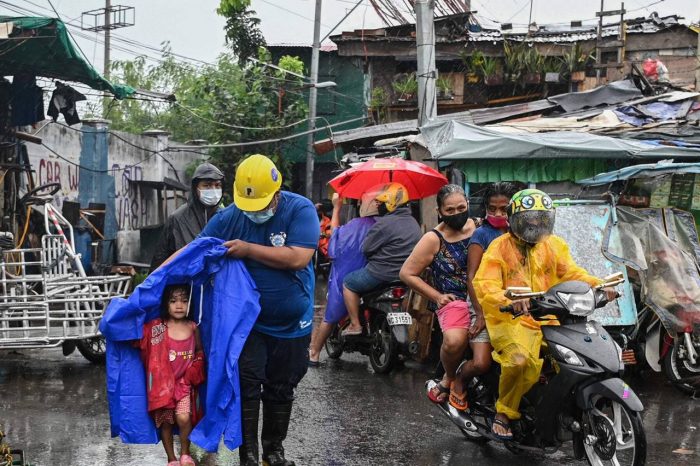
(477, 116)
(546, 33)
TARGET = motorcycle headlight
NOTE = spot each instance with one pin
(568, 355)
(579, 304)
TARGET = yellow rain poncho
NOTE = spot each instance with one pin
(509, 262)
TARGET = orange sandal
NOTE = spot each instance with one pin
(458, 401)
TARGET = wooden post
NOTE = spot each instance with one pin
(697, 70)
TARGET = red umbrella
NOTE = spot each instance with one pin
(420, 180)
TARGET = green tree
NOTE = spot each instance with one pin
(223, 103)
(242, 28)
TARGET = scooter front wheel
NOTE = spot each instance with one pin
(613, 435)
(679, 370)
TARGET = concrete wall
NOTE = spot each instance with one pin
(95, 165)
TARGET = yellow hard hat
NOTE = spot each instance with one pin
(392, 195)
(257, 180)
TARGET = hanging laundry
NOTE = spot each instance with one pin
(63, 101)
(27, 100)
(6, 29)
(225, 303)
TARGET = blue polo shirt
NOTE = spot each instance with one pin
(286, 296)
(484, 235)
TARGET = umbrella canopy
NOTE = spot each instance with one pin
(648, 170)
(420, 180)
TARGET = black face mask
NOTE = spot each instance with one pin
(456, 221)
(381, 208)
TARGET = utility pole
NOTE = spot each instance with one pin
(425, 58)
(108, 37)
(619, 43)
(597, 42)
(309, 191)
(105, 19)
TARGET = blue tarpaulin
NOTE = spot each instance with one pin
(226, 305)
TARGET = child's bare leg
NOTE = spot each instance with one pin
(185, 424)
(166, 435)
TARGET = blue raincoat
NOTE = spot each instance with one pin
(226, 305)
(345, 252)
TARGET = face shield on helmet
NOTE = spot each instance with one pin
(368, 204)
(531, 215)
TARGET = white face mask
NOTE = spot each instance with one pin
(210, 197)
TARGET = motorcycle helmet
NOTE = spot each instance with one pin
(531, 215)
(392, 196)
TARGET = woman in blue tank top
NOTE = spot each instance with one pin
(444, 250)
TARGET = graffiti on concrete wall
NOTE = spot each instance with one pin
(131, 205)
(54, 171)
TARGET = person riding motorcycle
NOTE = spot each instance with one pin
(387, 245)
(529, 255)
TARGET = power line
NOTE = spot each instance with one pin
(264, 141)
(292, 12)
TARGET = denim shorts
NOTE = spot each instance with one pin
(361, 281)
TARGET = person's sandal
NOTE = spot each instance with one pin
(186, 460)
(436, 391)
(348, 332)
(174, 463)
(506, 426)
(458, 401)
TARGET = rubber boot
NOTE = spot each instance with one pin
(248, 451)
(275, 423)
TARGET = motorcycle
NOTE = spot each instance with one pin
(580, 396)
(648, 344)
(385, 326)
(665, 337)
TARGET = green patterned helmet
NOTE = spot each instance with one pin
(531, 215)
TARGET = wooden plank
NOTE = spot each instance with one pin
(610, 13)
(611, 44)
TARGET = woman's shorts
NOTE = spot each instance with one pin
(453, 315)
(361, 281)
(481, 337)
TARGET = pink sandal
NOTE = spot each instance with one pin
(174, 463)
(186, 460)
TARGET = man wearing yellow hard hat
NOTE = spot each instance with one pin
(275, 233)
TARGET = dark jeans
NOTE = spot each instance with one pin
(275, 364)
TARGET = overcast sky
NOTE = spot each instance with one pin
(196, 31)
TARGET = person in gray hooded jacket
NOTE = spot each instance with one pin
(188, 220)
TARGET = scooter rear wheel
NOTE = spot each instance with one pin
(384, 353)
(334, 345)
(93, 349)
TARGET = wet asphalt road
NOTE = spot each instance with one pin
(55, 408)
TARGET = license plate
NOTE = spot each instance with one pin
(399, 318)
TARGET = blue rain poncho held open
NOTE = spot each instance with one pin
(225, 303)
